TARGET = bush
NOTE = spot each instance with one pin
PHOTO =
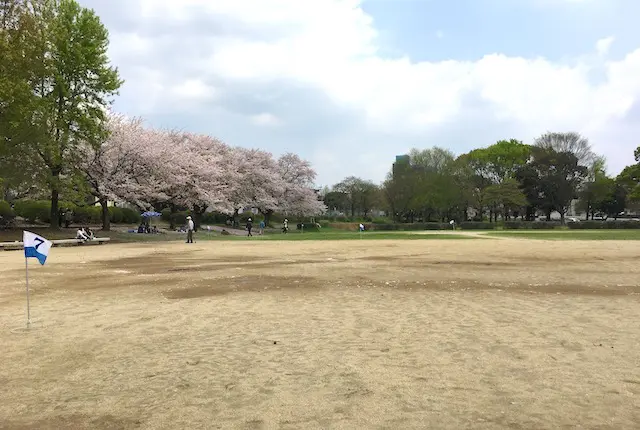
(308, 227)
(6, 215)
(179, 218)
(214, 218)
(390, 227)
(477, 225)
(33, 211)
(130, 216)
(166, 215)
(116, 215)
(545, 225)
(609, 225)
(87, 215)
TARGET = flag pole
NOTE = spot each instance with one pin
(26, 272)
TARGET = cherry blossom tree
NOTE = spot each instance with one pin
(118, 167)
(255, 181)
(205, 172)
(297, 195)
(145, 166)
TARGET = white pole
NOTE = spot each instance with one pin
(26, 272)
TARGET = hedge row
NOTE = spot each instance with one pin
(608, 225)
(6, 215)
(387, 227)
(531, 225)
(473, 225)
(33, 211)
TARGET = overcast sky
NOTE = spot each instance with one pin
(350, 84)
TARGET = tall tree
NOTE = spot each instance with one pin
(596, 188)
(493, 166)
(73, 93)
(22, 67)
(360, 194)
(629, 180)
(570, 142)
(558, 178)
(297, 195)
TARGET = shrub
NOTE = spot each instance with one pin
(214, 218)
(116, 215)
(179, 218)
(477, 225)
(545, 225)
(87, 215)
(32, 210)
(609, 225)
(166, 215)
(7, 215)
(130, 216)
(308, 226)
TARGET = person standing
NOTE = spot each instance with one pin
(249, 226)
(262, 226)
(190, 228)
(285, 226)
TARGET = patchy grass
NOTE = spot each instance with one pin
(571, 234)
(337, 235)
(123, 237)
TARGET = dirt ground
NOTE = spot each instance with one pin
(482, 334)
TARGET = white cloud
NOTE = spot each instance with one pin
(603, 45)
(330, 46)
(266, 119)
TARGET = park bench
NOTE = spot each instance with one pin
(13, 246)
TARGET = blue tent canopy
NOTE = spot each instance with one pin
(151, 214)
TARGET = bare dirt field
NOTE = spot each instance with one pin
(440, 334)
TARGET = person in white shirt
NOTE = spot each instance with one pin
(361, 227)
(190, 228)
(81, 234)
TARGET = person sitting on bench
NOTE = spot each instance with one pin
(82, 235)
(89, 233)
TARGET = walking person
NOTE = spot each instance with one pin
(285, 226)
(249, 226)
(190, 228)
(262, 226)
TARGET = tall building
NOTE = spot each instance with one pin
(401, 160)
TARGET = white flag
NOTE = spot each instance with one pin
(35, 246)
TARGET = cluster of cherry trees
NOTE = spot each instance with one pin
(147, 167)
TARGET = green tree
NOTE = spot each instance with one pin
(506, 196)
(336, 200)
(571, 142)
(596, 189)
(557, 178)
(493, 166)
(22, 66)
(361, 195)
(629, 180)
(72, 92)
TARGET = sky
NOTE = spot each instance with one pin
(350, 84)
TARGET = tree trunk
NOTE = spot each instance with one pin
(267, 217)
(55, 197)
(172, 221)
(106, 220)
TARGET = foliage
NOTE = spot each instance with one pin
(569, 142)
(472, 225)
(7, 215)
(604, 225)
(354, 195)
(531, 225)
(33, 211)
(64, 93)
